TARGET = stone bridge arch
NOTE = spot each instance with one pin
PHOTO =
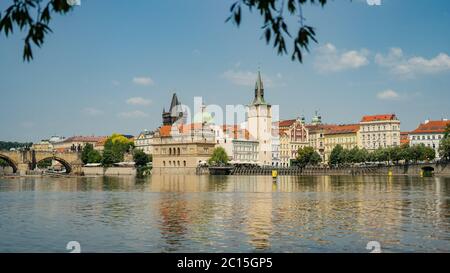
(63, 162)
(14, 165)
(70, 160)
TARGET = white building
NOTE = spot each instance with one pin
(260, 123)
(237, 143)
(379, 131)
(144, 141)
(430, 133)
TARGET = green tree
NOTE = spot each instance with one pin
(444, 148)
(395, 154)
(109, 158)
(3, 163)
(94, 156)
(8, 145)
(307, 156)
(429, 154)
(34, 17)
(362, 156)
(418, 153)
(447, 131)
(337, 155)
(140, 158)
(44, 164)
(115, 148)
(141, 161)
(219, 157)
(88, 148)
(89, 155)
(406, 153)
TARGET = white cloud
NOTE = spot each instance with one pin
(133, 114)
(330, 59)
(245, 78)
(138, 101)
(143, 81)
(90, 111)
(388, 95)
(411, 67)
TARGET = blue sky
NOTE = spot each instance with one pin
(111, 66)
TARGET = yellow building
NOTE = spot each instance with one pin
(345, 135)
(285, 151)
(43, 145)
(180, 149)
(316, 137)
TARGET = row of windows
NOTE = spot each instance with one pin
(143, 142)
(341, 140)
(433, 137)
(174, 163)
(379, 127)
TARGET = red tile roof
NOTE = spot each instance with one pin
(343, 129)
(165, 130)
(236, 131)
(379, 118)
(319, 127)
(84, 139)
(286, 123)
(404, 137)
(433, 126)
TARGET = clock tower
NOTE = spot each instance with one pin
(260, 123)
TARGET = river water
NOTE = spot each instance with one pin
(225, 214)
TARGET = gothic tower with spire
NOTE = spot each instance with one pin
(260, 122)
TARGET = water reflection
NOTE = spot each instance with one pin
(231, 213)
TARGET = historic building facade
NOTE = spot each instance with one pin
(345, 135)
(179, 149)
(259, 123)
(293, 135)
(144, 141)
(236, 141)
(316, 137)
(175, 112)
(379, 131)
(430, 133)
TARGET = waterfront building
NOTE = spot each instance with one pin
(430, 133)
(76, 143)
(47, 144)
(181, 148)
(404, 138)
(285, 151)
(297, 134)
(276, 160)
(43, 145)
(175, 112)
(260, 123)
(379, 131)
(345, 135)
(316, 137)
(144, 141)
(236, 141)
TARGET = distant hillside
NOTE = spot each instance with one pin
(7, 145)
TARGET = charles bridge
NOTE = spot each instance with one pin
(24, 161)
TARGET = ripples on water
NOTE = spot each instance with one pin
(225, 214)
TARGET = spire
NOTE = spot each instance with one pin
(174, 102)
(259, 91)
